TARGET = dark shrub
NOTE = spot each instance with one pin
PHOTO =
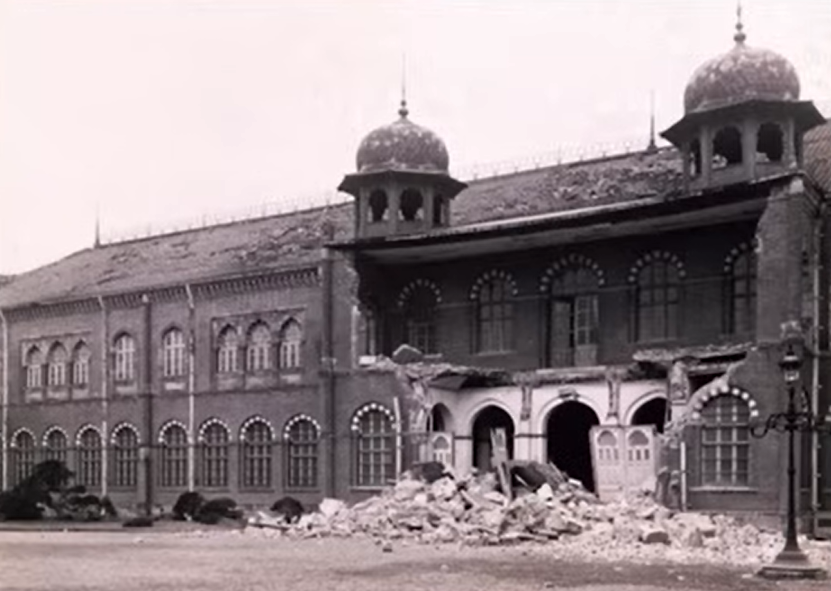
(216, 509)
(108, 508)
(290, 508)
(187, 505)
(14, 506)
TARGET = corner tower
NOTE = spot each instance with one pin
(743, 119)
(402, 184)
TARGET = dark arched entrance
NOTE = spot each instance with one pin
(440, 419)
(489, 418)
(653, 412)
(568, 440)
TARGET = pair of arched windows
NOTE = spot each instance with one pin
(728, 147)
(257, 348)
(59, 367)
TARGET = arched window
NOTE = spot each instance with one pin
(375, 446)
(125, 358)
(573, 317)
(34, 368)
(657, 298)
(213, 455)
(258, 354)
(740, 293)
(727, 147)
(56, 445)
(420, 309)
(378, 206)
(412, 205)
(125, 457)
(58, 358)
(226, 355)
(174, 456)
(302, 436)
(770, 143)
(24, 455)
(494, 315)
(257, 451)
(80, 365)
(88, 472)
(438, 211)
(173, 353)
(291, 339)
(695, 157)
(725, 434)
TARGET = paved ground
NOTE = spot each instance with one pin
(232, 561)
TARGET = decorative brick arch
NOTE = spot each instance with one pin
(541, 422)
(18, 431)
(356, 418)
(490, 276)
(253, 420)
(737, 251)
(51, 430)
(474, 413)
(298, 419)
(121, 427)
(568, 262)
(414, 285)
(703, 396)
(172, 423)
(656, 255)
(83, 429)
(212, 421)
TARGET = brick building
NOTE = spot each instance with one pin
(250, 358)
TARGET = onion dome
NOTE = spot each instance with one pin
(404, 146)
(743, 73)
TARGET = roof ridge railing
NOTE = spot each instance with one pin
(562, 155)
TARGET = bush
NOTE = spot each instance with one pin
(216, 509)
(187, 506)
(289, 507)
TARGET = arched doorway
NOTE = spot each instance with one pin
(489, 418)
(440, 419)
(568, 440)
(652, 412)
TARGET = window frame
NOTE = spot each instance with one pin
(88, 458)
(290, 349)
(374, 446)
(125, 458)
(124, 359)
(665, 295)
(494, 315)
(34, 368)
(173, 457)
(258, 348)
(302, 454)
(81, 358)
(174, 349)
(227, 351)
(739, 439)
(257, 457)
(213, 458)
(741, 271)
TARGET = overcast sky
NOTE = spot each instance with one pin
(157, 111)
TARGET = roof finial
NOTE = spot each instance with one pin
(97, 226)
(403, 111)
(739, 37)
(652, 145)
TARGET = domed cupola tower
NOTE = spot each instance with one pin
(402, 184)
(743, 119)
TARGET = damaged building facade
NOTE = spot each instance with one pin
(584, 308)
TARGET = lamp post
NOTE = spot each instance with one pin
(792, 562)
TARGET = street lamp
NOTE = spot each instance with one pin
(791, 562)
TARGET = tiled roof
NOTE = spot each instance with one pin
(295, 239)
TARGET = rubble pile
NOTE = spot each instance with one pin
(474, 512)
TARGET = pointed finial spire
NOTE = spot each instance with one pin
(652, 145)
(403, 111)
(739, 37)
(97, 226)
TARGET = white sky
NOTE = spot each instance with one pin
(157, 110)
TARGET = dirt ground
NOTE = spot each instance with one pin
(232, 560)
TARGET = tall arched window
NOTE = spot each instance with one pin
(88, 472)
(55, 445)
(302, 438)
(727, 147)
(770, 145)
(291, 339)
(258, 353)
(412, 205)
(257, 452)
(494, 315)
(173, 353)
(24, 455)
(373, 428)
(34, 368)
(378, 207)
(573, 317)
(227, 350)
(657, 300)
(740, 293)
(213, 455)
(81, 356)
(125, 358)
(125, 456)
(174, 456)
(420, 310)
(725, 435)
(58, 358)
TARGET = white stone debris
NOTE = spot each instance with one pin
(568, 521)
